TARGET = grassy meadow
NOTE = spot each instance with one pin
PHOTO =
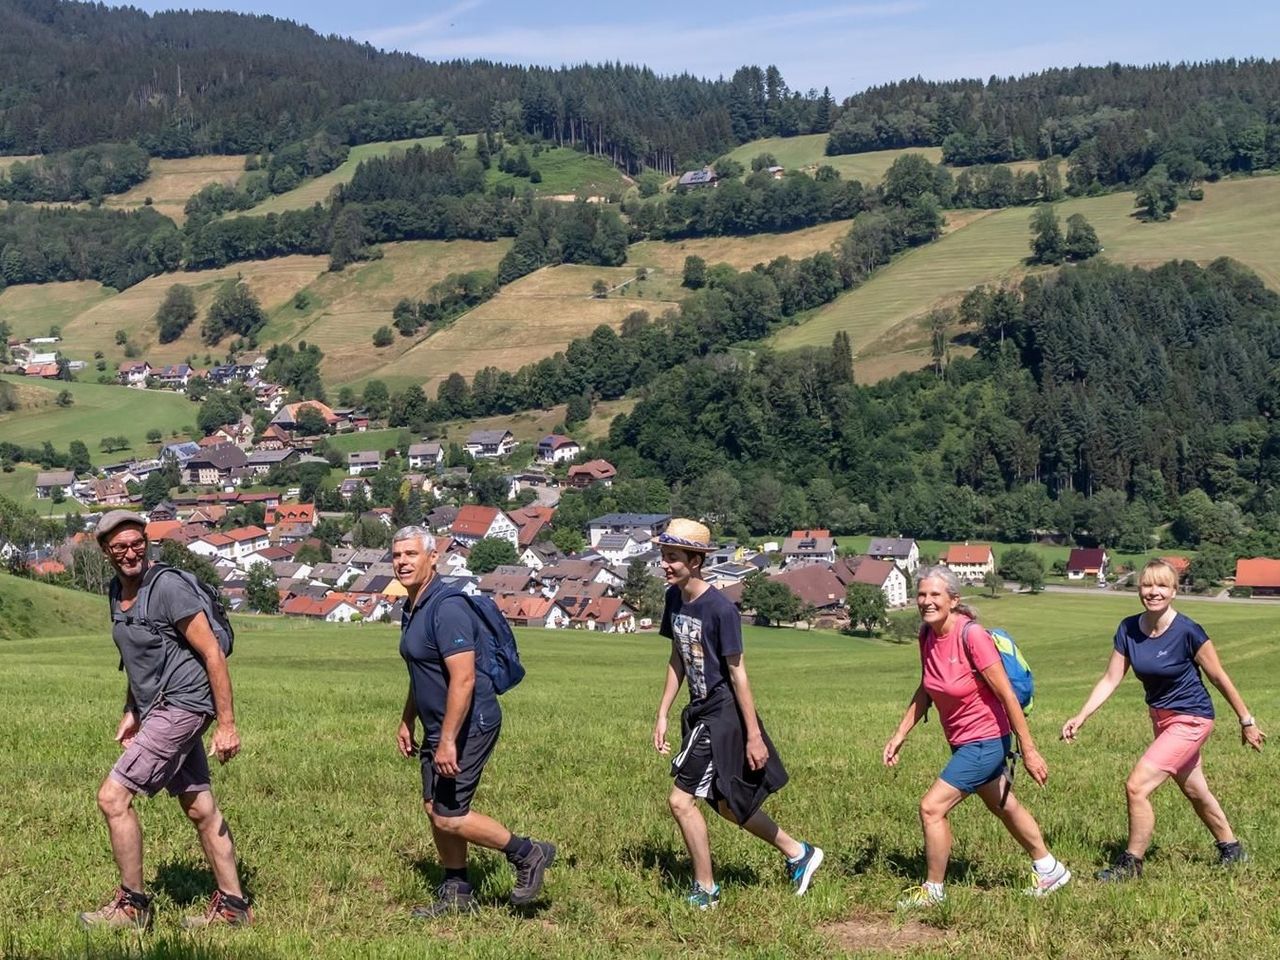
(335, 848)
(808, 152)
(884, 316)
(31, 309)
(172, 183)
(566, 174)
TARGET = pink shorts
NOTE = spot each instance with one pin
(1179, 737)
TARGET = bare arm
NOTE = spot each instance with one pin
(675, 677)
(1117, 667)
(1207, 658)
(408, 717)
(199, 635)
(917, 707)
(462, 684)
(757, 752)
(127, 728)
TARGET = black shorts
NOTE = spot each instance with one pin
(451, 796)
(693, 768)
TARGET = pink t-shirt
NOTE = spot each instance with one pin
(968, 708)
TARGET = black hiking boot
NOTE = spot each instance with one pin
(1231, 853)
(530, 871)
(452, 896)
(1126, 867)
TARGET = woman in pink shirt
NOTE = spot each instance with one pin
(961, 674)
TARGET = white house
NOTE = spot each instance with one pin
(903, 551)
(475, 523)
(885, 574)
(134, 373)
(969, 563)
(640, 526)
(50, 481)
(557, 448)
(359, 461)
(490, 444)
(425, 456)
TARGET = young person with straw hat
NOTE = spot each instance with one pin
(725, 756)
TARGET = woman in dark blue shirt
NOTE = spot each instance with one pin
(1168, 651)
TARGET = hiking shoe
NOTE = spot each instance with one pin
(530, 871)
(702, 898)
(125, 909)
(224, 910)
(1043, 884)
(803, 868)
(1126, 867)
(920, 897)
(452, 896)
(1231, 853)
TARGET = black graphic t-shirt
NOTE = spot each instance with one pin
(705, 632)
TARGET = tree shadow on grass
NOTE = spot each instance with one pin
(190, 881)
(675, 869)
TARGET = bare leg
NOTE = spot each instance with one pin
(939, 801)
(1142, 783)
(452, 834)
(115, 800)
(1205, 804)
(215, 838)
(1016, 818)
(761, 825)
(684, 807)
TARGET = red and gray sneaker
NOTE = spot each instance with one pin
(224, 910)
(127, 909)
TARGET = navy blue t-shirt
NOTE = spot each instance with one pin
(426, 649)
(1166, 664)
(705, 632)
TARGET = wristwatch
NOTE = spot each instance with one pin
(1247, 721)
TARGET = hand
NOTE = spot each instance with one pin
(226, 742)
(446, 759)
(1035, 765)
(757, 752)
(891, 750)
(660, 736)
(404, 740)
(1071, 728)
(1252, 736)
(127, 730)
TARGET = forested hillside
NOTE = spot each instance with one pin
(1115, 123)
(180, 83)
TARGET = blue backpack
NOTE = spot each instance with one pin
(497, 655)
(1015, 665)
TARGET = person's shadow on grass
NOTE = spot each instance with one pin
(675, 869)
(189, 881)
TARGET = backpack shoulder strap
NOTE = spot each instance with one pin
(964, 642)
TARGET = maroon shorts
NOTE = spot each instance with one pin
(167, 752)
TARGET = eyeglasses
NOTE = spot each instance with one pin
(136, 547)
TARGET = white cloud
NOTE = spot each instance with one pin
(419, 31)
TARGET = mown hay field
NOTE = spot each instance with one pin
(31, 309)
(173, 182)
(335, 848)
(807, 153)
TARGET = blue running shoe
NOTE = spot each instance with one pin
(803, 869)
(704, 899)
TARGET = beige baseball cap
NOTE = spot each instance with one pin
(114, 520)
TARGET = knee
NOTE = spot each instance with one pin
(681, 803)
(113, 799)
(931, 811)
(200, 809)
(1136, 791)
(444, 824)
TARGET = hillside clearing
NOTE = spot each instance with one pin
(99, 410)
(528, 320)
(741, 253)
(806, 153)
(1235, 219)
(566, 174)
(32, 308)
(335, 847)
(173, 182)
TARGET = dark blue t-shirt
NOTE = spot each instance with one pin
(1166, 664)
(426, 649)
(705, 632)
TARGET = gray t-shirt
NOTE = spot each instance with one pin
(160, 664)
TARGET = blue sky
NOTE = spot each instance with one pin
(847, 46)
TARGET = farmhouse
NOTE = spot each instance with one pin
(1259, 574)
(885, 574)
(475, 523)
(557, 448)
(592, 472)
(49, 482)
(706, 177)
(816, 585)
(969, 563)
(903, 551)
(808, 547)
(1091, 562)
(214, 465)
(490, 444)
(261, 461)
(287, 417)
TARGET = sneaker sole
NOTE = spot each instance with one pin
(1058, 884)
(815, 861)
(548, 858)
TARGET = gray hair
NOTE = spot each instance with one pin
(415, 532)
(948, 576)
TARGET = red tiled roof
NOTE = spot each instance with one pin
(1257, 572)
(810, 534)
(1180, 564)
(1088, 559)
(522, 606)
(158, 530)
(292, 513)
(967, 553)
(596, 469)
(474, 520)
(240, 534)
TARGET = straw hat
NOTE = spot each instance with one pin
(686, 534)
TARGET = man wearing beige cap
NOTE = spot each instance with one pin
(171, 639)
(725, 756)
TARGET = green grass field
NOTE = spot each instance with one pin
(335, 848)
(807, 153)
(565, 173)
(99, 411)
(1235, 219)
(32, 309)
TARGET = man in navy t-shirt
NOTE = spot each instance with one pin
(725, 755)
(460, 716)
